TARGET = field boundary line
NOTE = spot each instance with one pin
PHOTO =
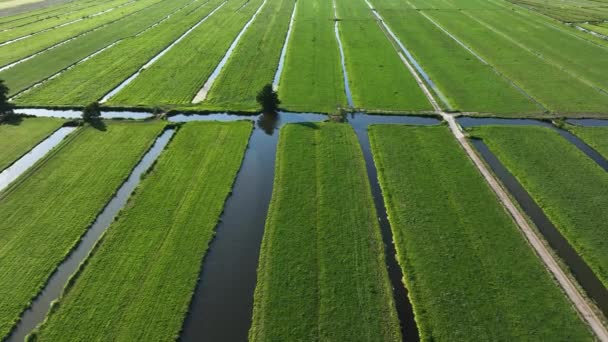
(593, 33)
(153, 60)
(570, 289)
(481, 59)
(539, 55)
(201, 95)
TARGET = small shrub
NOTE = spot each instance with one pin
(268, 99)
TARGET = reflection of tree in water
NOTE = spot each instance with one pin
(268, 122)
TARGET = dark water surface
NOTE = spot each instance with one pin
(57, 282)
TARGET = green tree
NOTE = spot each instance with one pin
(91, 112)
(268, 99)
(6, 108)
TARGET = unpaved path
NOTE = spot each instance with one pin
(576, 297)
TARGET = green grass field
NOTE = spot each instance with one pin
(568, 10)
(450, 65)
(44, 213)
(254, 62)
(25, 74)
(378, 78)
(91, 80)
(322, 274)
(178, 76)
(312, 75)
(146, 266)
(571, 188)
(29, 46)
(19, 137)
(596, 137)
(470, 272)
(37, 15)
(59, 20)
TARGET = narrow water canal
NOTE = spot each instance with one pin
(13, 172)
(579, 268)
(222, 305)
(57, 282)
(360, 123)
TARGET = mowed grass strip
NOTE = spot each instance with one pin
(29, 46)
(21, 135)
(137, 284)
(44, 213)
(59, 20)
(28, 73)
(254, 61)
(178, 76)
(322, 274)
(91, 80)
(378, 78)
(570, 187)
(469, 270)
(596, 137)
(469, 84)
(553, 87)
(312, 75)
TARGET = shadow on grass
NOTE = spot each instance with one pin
(98, 125)
(14, 120)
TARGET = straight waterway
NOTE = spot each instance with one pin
(578, 267)
(349, 96)
(77, 114)
(279, 72)
(37, 311)
(202, 93)
(8, 175)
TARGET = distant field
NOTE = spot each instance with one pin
(568, 10)
(180, 74)
(322, 274)
(312, 77)
(91, 80)
(469, 270)
(596, 137)
(146, 267)
(571, 188)
(43, 214)
(21, 136)
(254, 63)
(378, 78)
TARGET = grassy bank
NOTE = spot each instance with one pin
(322, 274)
(43, 214)
(137, 284)
(596, 137)
(571, 188)
(469, 270)
(21, 135)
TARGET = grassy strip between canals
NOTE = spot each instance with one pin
(44, 213)
(138, 282)
(378, 78)
(549, 84)
(322, 274)
(312, 76)
(92, 79)
(470, 272)
(469, 84)
(21, 135)
(254, 62)
(570, 187)
(596, 137)
(181, 72)
(28, 73)
(46, 13)
(27, 47)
